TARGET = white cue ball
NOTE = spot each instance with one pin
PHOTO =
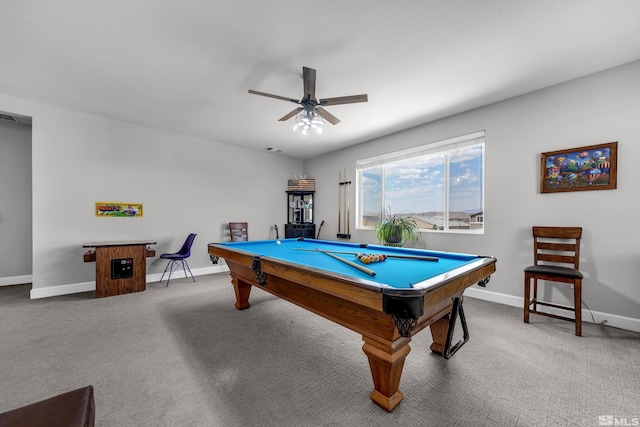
(278, 242)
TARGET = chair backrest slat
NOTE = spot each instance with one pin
(553, 246)
(558, 232)
(239, 231)
(557, 245)
(556, 258)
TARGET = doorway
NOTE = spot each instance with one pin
(16, 248)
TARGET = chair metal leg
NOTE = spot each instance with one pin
(173, 265)
(173, 262)
(187, 269)
(165, 270)
(183, 269)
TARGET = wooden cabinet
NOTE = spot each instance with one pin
(121, 267)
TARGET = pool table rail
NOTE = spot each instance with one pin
(353, 289)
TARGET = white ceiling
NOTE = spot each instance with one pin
(187, 65)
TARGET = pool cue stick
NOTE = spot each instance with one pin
(319, 228)
(415, 257)
(339, 198)
(344, 199)
(348, 191)
(352, 264)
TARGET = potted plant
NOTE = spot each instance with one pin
(395, 229)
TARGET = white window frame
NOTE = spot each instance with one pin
(446, 147)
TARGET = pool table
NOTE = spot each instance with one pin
(408, 291)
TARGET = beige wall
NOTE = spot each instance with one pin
(189, 184)
(186, 185)
(594, 109)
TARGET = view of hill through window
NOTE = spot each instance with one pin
(440, 191)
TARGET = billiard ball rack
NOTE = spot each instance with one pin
(456, 311)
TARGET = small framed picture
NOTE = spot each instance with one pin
(579, 169)
(118, 209)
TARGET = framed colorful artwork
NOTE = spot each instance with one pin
(118, 209)
(579, 169)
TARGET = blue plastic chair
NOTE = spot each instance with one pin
(179, 259)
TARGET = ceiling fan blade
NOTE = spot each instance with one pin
(255, 92)
(327, 116)
(309, 82)
(291, 114)
(344, 100)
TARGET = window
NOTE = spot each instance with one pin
(439, 185)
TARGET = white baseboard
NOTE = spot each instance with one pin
(627, 323)
(74, 288)
(196, 272)
(54, 291)
(15, 280)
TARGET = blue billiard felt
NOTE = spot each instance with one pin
(394, 272)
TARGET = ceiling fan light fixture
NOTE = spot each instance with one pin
(307, 119)
(311, 110)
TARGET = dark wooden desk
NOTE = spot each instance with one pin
(121, 267)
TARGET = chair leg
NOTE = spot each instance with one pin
(535, 294)
(184, 270)
(165, 270)
(173, 263)
(527, 294)
(173, 266)
(185, 263)
(577, 296)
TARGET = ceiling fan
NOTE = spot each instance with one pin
(311, 107)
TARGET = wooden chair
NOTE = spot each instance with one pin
(556, 259)
(239, 231)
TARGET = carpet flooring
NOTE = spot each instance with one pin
(184, 356)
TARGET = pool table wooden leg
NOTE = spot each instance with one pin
(439, 334)
(386, 360)
(242, 290)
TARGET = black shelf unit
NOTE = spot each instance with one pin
(300, 215)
